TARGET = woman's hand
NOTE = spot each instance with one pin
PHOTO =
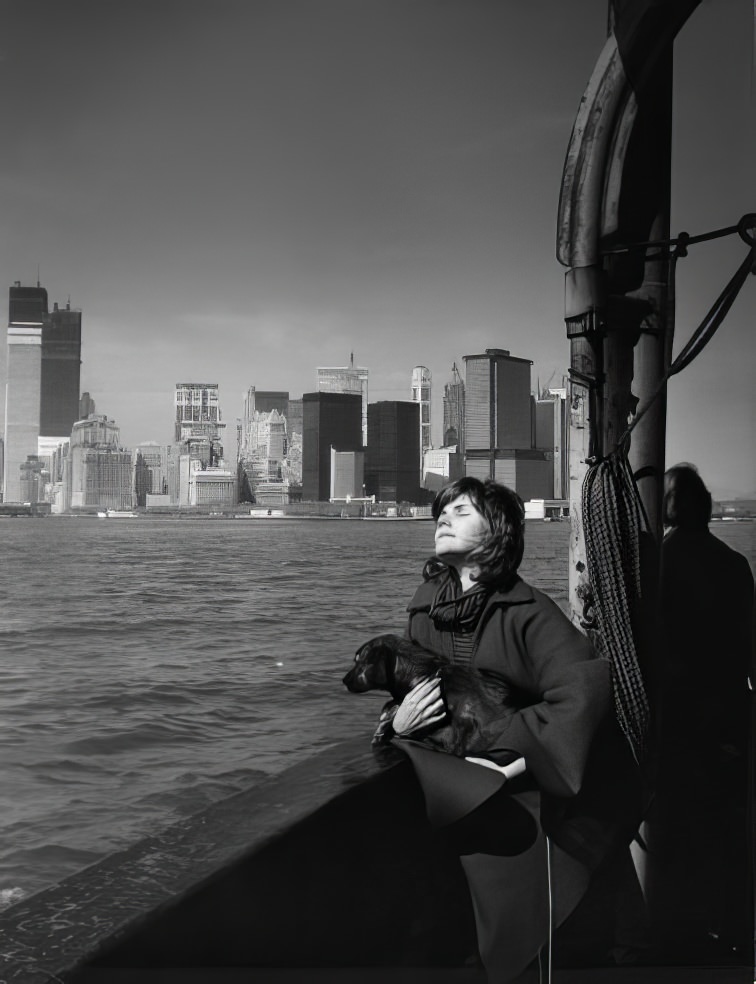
(509, 771)
(422, 706)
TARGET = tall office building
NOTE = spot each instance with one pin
(27, 305)
(22, 404)
(20, 382)
(294, 419)
(61, 372)
(265, 454)
(330, 420)
(258, 402)
(393, 451)
(101, 471)
(150, 471)
(61, 356)
(498, 424)
(347, 474)
(497, 401)
(454, 412)
(295, 428)
(198, 415)
(266, 446)
(551, 435)
(347, 379)
(53, 340)
(421, 393)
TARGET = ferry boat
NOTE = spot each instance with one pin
(329, 873)
(117, 514)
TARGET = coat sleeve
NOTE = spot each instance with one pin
(572, 688)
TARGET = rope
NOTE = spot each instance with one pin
(612, 522)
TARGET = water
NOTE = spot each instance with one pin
(150, 667)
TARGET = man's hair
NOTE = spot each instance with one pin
(687, 501)
(499, 556)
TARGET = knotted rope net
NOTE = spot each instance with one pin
(613, 520)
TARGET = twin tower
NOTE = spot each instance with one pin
(40, 374)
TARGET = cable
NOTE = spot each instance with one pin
(700, 337)
(683, 240)
(551, 909)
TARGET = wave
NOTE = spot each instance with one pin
(9, 896)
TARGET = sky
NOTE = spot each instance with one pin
(239, 191)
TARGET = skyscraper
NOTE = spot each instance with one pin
(56, 340)
(454, 412)
(421, 393)
(20, 369)
(61, 356)
(294, 418)
(26, 305)
(198, 415)
(150, 470)
(22, 400)
(391, 461)
(100, 471)
(497, 414)
(330, 420)
(347, 474)
(551, 434)
(257, 402)
(346, 379)
(61, 372)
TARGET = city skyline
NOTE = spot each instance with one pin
(283, 184)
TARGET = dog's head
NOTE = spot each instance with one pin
(373, 667)
(389, 662)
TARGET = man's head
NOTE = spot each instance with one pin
(687, 501)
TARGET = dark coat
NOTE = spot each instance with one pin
(707, 602)
(564, 727)
(581, 787)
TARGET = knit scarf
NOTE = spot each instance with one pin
(455, 612)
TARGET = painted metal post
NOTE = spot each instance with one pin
(616, 189)
(618, 309)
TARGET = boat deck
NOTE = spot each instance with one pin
(290, 882)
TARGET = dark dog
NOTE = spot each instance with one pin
(391, 663)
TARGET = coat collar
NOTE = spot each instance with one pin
(517, 594)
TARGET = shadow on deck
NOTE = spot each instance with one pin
(326, 873)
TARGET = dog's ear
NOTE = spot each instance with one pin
(381, 657)
(370, 663)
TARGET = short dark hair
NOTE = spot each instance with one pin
(687, 501)
(499, 556)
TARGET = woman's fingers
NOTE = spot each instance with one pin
(422, 706)
(425, 693)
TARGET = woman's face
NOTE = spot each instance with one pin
(460, 528)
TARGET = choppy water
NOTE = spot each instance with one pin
(149, 667)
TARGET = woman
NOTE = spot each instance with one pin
(559, 756)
